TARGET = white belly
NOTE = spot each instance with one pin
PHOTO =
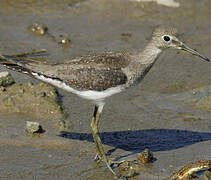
(96, 96)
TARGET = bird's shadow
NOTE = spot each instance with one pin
(138, 140)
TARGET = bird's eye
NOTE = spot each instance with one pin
(166, 38)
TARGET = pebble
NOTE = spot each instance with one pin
(65, 41)
(38, 28)
(33, 127)
(6, 79)
(145, 156)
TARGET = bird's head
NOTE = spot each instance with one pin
(167, 37)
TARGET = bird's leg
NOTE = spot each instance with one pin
(95, 132)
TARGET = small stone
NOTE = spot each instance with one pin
(126, 35)
(126, 169)
(65, 41)
(6, 79)
(145, 156)
(33, 127)
(38, 29)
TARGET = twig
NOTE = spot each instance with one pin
(34, 52)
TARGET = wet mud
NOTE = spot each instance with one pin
(39, 101)
(168, 113)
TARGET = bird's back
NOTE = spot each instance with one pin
(93, 72)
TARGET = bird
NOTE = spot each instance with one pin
(99, 76)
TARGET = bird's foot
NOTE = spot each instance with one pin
(117, 163)
(98, 158)
(110, 164)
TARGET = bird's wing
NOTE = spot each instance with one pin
(97, 72)
(114, 60)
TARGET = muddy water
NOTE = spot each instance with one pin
(166, 113)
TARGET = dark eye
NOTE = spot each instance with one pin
(166, 38)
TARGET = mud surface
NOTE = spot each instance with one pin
(169, 112)
(38, 101)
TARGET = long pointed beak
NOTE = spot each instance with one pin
(183, 47)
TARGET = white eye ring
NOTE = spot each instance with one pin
(166, 38)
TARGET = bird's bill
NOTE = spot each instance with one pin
(183, 47)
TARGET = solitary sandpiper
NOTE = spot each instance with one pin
(97, 77)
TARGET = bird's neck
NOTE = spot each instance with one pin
(149, 55)
(141, 63)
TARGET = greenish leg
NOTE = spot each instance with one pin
(95, 132)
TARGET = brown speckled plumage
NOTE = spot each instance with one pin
(92, 78)
(97, 72)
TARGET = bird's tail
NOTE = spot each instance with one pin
(19, 62)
